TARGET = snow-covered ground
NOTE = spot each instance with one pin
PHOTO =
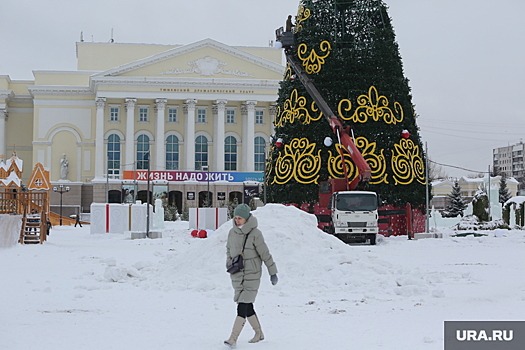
(82, 291)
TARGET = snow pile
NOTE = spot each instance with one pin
(307, 259)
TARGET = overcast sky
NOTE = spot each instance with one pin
(465, 59)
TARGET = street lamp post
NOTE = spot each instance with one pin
(207, 168)
(61, 189)
(264, 173)
(148, 198)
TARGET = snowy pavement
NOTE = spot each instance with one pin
(85, 291)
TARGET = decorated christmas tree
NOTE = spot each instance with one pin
(348, 50)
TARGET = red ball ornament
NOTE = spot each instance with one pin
(405, 134)
(279, 143)
(194, 233)
(202, 234)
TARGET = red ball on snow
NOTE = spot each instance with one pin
(203, 234)
(194, 233)
(405, 134)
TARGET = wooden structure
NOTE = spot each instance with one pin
(32, 202)
(33, 206)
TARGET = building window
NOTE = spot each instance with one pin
(172, 115)
(259, 153)
(230, 153)
(230, 116)
(113, 114)
(142, 152)
(113, 156)
(201, 152)
(143, 114)
(201, 115)
(172, 153)
(259, 113)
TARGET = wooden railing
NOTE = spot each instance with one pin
(24, 203)
(9, 206)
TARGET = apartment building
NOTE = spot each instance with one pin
(509, 161)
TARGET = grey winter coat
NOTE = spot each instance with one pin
(246, 283)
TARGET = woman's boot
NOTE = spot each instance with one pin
(236, 331)
(256, 325)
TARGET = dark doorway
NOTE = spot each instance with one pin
(235, 197)
(204, 197)
(114, 196)
(143, 196)
(175, 198)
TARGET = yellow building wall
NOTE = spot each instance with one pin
(62, 78)
(115, 54)
(237, 66)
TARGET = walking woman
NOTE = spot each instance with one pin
(247, 240)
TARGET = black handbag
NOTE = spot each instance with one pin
(237, 263)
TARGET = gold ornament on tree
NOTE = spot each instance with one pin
(371, 106)
(298, 161)
(312, 61)
(407, 163)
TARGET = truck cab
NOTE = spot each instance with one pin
(354, 216)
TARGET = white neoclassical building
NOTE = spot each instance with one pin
(198, 117)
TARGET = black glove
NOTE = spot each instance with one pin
(274, 279)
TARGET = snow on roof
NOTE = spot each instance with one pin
(472, 179)
(517, 200)
(11, 178)
(14, 159)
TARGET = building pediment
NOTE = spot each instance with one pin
(203, 59)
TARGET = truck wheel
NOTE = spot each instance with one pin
(373, 240)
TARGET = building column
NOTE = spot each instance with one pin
(130, 134)
(3, 127)
(99, 139)
(160, 159)
(272, 110)
(220, 108)
(189, 109)
(248, 112)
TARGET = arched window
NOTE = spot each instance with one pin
(201, 152)
(172, 152)
(142, 152)
(259, 153)
(113, 156)
(230, 153)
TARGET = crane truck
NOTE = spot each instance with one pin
(342, 210)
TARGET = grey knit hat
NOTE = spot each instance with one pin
(242, 210)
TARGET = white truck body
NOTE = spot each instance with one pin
(354, 215)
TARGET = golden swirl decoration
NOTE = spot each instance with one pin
(376, 161)
(345, 105)
(407, 163)
(335, 165)
(313, 62)
(295, 109)
(373, 106)
(297, 161)
(302, 15)
(268, 167)
(310, 118)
